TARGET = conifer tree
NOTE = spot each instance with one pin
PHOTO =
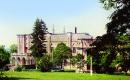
(38, 47)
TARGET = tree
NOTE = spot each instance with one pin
(117, 62)
(38, 47)
(13, 48)
(73, 60)
(60, 54)
(4, 59)
(112, 43)
(4, 56)
(45, 63)
(124, 52)
(120, 19)
(79, 61)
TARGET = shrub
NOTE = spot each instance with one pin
(57, 71)
(69, 70)
(19, 68)
(45, 63)
(29, 66)
(31, 70)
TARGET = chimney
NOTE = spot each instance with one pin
(75, 30)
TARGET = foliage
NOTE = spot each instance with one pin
(19, 68)
(45, 63)
(38, 48)
(73, 60)
(88, 59)
(115, 41)
(3, 77)
(105, 52)
(4, 56)
(103, 60)
(60, 54)
(78, 60)
(38, 39)
(117, 61)
(13, 48)
(115, 4)
(4, 59)
(119, 23)
(108, 4)
(79, 57)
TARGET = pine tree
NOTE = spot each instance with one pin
(38, 47)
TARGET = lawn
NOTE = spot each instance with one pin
(62, 76)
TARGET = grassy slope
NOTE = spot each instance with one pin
(63, 76)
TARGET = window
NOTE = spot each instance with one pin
(74, 50)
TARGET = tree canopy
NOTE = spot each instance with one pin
(13, 48)
(4, 56)
(60, 54)
(120, 18)
(38, 47)
(112, 48)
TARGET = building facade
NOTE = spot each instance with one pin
(78, 42)
(23, 55)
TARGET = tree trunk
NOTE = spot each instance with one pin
(36, 63)
(61, 65)
(126, 71)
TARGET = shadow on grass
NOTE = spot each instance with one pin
(122, 74)
(15, 78)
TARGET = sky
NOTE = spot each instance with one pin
(18, 17)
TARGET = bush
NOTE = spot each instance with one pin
(19, 68)
(45, 63)
(69, 70)
(57, 71)
(60, 70)
(5, 68)
(110, 70)
(29, 66)
(31, 70)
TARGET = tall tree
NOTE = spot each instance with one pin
(120, 18)
(104, 53)
(38, 47)
(4, 59)
(109, 45)
(61, 53)
(119, 26)
(4, 56)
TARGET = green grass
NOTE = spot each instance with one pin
(33, 75)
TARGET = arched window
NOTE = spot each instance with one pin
(23, 61)
(18, 61)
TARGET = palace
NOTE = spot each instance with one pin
(78, 42)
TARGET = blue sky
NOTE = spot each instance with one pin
(18, 16)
